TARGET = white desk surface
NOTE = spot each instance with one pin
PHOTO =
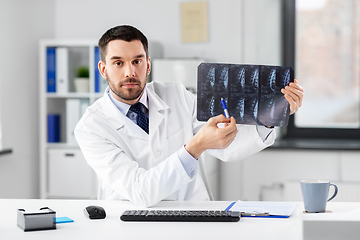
(113, 228)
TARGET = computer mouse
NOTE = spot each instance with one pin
(95, 212)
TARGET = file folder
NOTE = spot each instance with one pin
(100, 82)
(51, 69)
(53, 121)
(263, 209)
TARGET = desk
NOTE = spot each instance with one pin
(113, 228)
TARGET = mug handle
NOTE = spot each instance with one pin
(335, 193)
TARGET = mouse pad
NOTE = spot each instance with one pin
(252, 92)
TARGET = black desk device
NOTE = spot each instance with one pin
(95, 212)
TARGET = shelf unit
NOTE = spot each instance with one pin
(64, 172)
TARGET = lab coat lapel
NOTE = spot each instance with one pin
(121, 123)
(156, 110)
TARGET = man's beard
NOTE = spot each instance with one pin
(127, 94)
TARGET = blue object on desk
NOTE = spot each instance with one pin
(63, 220)
(231, 204)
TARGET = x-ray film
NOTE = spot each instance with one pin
(252, 93)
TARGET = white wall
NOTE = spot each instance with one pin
(159, 20)
(261, 33)
(23, 23)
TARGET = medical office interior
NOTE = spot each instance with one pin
(238, 31)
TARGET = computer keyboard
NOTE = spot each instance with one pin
(180, 216)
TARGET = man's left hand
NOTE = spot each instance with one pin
(294, 94)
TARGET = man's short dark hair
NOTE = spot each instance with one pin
(125, 33)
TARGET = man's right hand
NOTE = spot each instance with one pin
(211, 136)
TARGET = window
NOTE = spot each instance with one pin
(322, 43)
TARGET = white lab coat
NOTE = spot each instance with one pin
(145, 169)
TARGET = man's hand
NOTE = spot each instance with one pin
(294, 94)
(211, 136)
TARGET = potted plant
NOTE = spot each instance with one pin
(82, 79)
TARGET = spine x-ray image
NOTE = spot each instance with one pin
(252, 93)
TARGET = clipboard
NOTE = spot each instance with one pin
(263, 209)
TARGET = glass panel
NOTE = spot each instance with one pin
(328, 62)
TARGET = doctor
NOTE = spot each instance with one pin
(143, 139)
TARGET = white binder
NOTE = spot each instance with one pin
(62, 70)
(75, 108)
(72, 118)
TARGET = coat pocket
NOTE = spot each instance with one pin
(176, 141)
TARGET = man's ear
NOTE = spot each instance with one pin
(148, 66)
(101, 66)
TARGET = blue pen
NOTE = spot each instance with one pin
(225, 108)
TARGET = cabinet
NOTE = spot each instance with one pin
(64, 172)
(69, 175)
